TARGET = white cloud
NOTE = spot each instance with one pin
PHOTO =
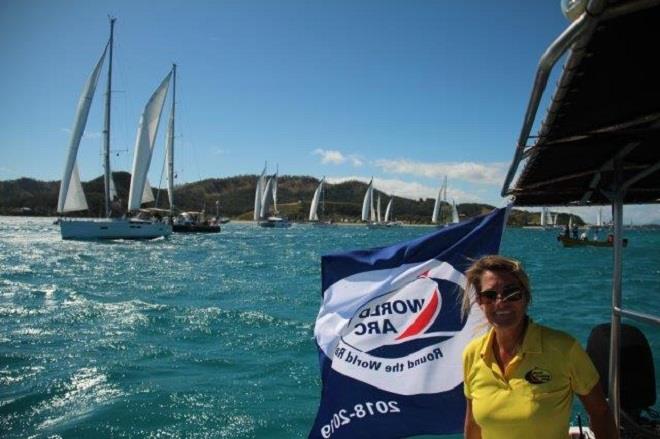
(489, 173)
(410, 190)
(334, 157)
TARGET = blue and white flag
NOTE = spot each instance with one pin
(390, 333)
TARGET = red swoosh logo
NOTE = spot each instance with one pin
(423, 319)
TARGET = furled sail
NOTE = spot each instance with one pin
(71, 182)
(313, 209)
(144, 143)
(367, 202)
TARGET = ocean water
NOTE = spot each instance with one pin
(212, 335)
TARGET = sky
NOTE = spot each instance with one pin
(406, 92)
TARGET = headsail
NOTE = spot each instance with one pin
(144, 144)
(266, 198)
(274, 190)
(378, 209)
(388, 210)
(314, 207)
(69, 181)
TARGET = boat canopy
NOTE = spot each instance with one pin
(599, 141)
(604, 114)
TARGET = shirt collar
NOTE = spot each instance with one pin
(531, 342)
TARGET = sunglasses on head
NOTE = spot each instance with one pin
(510, 294)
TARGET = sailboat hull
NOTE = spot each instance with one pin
(113, 229)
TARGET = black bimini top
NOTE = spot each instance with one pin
(604, 115)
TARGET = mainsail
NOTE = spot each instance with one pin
(258, 193)
(144, 144)
(72, 197)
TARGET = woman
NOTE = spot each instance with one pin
(520, 377)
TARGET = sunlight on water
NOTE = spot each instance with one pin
(212, 335)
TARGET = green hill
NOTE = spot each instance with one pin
(235, 196)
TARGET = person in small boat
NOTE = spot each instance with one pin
(520, 378)
(575, 232)
(584, 236)
(567, 232)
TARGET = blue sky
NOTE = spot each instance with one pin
(404, 91)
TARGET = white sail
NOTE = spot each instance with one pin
(75, 197)
(314, 207)
(274, 190)
(544, 213)
(258, 194)
(367, 202)
(144, 144)
(378, 209)
(266, 200)
(444, 185)
(599, 218)
(570, 222)
(147, 193)
(79, 124)
(454, 213)
(113, 189)
(436, 208)
(388, 210)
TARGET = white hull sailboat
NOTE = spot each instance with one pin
(112, 228)
(441, 197)
(318, 199)
(266, 196)
(72, 197)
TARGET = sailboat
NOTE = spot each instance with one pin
(185, 222)
(441, 197)
(266, 196)
(71, 196)
(389, 215)
(371, 215)
(318, 199)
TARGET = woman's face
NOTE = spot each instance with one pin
(507, 308)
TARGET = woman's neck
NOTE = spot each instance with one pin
(509, 340)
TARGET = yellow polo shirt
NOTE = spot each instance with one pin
(533, 398)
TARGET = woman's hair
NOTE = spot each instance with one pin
(494, 263)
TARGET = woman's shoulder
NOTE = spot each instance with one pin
(556, 337)
(475, 346)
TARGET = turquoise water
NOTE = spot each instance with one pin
(212, 335)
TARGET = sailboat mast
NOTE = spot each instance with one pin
(106, 126)
(170, 149)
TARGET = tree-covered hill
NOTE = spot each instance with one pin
(235, 198)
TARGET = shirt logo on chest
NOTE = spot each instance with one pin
(538, 376)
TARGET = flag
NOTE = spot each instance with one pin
(390, 335)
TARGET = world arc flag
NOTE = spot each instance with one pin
(390, 333)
